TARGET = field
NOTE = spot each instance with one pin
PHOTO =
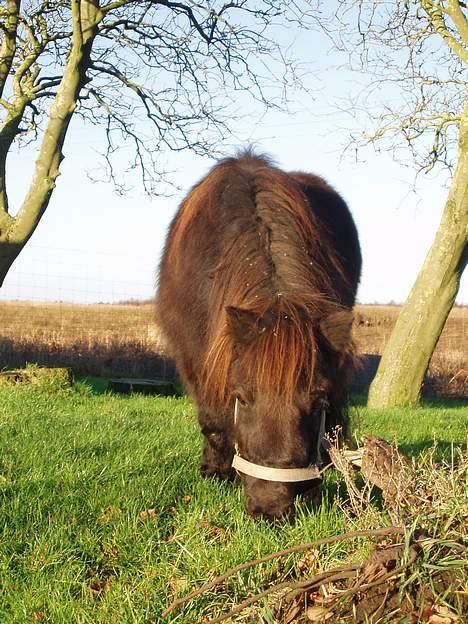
(123, 340)
(104, 518)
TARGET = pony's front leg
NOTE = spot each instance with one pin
(218, 448)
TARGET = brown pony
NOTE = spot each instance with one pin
(256, 288)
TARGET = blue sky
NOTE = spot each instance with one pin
(93, 245)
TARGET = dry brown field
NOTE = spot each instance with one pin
(448, 370)
(123, 340)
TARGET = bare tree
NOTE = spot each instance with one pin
(416, 52)
(156, 74)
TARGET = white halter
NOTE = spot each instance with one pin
(283, 475)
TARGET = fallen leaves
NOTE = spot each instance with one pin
(147, 514)
(308, 563)
(212, 530)
(110, 513)
(99, 586)
(435, 614)
(318, 614)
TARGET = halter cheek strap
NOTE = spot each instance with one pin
(283, 475)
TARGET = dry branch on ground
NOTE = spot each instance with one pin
(416, 569)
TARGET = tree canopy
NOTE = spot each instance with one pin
(415, 53)
(155, 75)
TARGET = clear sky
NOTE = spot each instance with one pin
(93, 245)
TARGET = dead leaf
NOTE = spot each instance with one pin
(109, 513)
(147, 514)
(202, 524)
(111, 551)
(187, 498)
(179, 585)
(442, 615)
(212, 529)
(292, 613)
(98, 586)
(318, 614)
(308, 563)
(38, 616)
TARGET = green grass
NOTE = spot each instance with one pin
(416, 430)
(77, 468)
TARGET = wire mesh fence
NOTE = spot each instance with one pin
(65, 307)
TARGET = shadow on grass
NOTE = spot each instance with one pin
(100, 385)
(97, 385)
(443, 450)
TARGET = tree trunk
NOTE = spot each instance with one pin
(8, 254)
(16, 231)
(406, 358)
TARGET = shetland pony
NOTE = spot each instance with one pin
(256, 288)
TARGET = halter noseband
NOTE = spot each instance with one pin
(283, 475)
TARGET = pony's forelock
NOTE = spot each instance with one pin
(280, 360)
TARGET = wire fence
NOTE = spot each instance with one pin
(79, 276)
(85, 310)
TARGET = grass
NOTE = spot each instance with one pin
(104, 517)
(416, 430)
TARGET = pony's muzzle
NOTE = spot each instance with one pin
(269, 500)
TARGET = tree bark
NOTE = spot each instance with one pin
(8, 254)
(8, 45)
(406, 358)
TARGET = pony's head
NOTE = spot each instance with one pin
(274, 365)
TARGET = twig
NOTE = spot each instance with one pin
(331, 576)
(393, 530)
(338, 574)
(361, 587)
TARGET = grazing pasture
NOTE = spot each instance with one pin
(123, 339)
(104, 517)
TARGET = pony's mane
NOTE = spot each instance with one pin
(274, 263)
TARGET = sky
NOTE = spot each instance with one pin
(93, 245)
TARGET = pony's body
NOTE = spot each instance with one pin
(257, 283)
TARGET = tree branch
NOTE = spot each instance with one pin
(393, 530)
(459, 19)
(8, 133)
(8, 47)
(414, 99)
(436, 19)
(166, 61)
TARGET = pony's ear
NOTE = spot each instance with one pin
(242, 324)
(336, 329)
